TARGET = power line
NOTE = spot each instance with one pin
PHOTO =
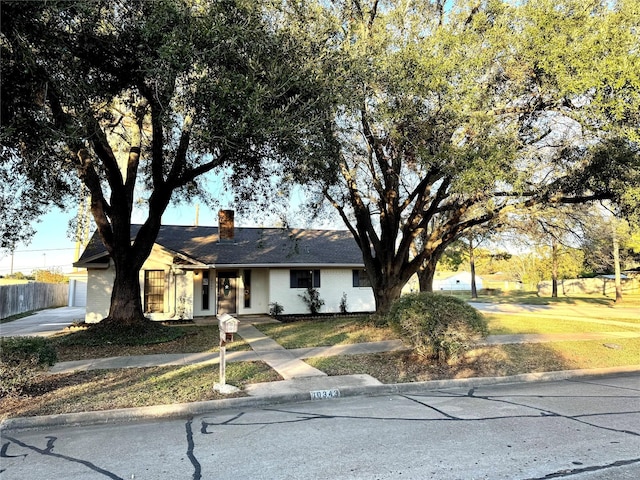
(44, 250)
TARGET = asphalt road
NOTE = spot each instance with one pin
(577, 429)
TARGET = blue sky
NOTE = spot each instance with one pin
(50, 248)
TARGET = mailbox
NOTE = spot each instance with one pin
(227, 326)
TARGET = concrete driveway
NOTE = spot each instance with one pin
(43, 323)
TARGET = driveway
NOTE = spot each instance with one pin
(43, 323)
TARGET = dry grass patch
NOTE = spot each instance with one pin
(501, 360)
(124, 388)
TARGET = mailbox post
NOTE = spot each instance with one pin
(227, 326)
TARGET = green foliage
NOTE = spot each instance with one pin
(312, 299)
(19, 349)
(110, 333)
(438, 326)
(50, 276)
(21, 361)
(275, 309)
(138, 99)
(343, 303)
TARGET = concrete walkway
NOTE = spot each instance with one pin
(289, 363)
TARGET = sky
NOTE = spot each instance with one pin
(51, 249)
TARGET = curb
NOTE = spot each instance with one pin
(183, 410)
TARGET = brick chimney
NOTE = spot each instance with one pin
(226, 225)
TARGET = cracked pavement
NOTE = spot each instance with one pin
(576, 429)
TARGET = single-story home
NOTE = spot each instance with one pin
(202, 271)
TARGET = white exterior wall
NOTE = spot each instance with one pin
(196, 298)
(99, 287)
(333, 283)
(259, 292)
(180, 287)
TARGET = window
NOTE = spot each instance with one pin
(361, 279)
(205, 290)
(304, 278)
(247, 289)
(154, 291)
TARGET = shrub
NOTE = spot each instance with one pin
(275, 309)
(437, 326)
(21, 360)
(312, 298)
(343, 303)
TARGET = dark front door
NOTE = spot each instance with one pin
(227, 292)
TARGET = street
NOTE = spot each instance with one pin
(587, 428)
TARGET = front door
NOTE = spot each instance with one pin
(227, 292)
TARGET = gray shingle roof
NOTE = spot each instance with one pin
(251, 246)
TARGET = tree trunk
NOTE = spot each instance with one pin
(385, 297)
(616, 264)
(554, 269)
(472, 265)
(126, 302)
(426, 274)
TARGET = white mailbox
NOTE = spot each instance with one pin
(227, 326)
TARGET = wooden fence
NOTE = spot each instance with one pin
(25, 297)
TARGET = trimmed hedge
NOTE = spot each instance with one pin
(438, 326)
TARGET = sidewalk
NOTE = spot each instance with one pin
(298, 375)
(301, 381)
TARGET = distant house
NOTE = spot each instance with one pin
(201, 271)
(456, 281)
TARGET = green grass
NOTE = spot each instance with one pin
(81, 344)
(16, 317)
(505, 324)
(326, 332)
(532, 298)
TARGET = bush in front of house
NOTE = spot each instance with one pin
(21, 360)
(312, 299)
(438, 326)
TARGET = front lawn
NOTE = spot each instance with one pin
(326, 332)
(124, 388)
(80, 344)
(100, 390)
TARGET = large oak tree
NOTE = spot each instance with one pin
(138, 99)
(453, 114)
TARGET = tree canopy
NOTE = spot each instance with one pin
(450, 115)
(139, 96)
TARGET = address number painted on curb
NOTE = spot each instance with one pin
(322, 394)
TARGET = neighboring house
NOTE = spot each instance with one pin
(201, 271)
(456, 281)
(78, 289)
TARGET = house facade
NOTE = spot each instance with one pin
(202, 271)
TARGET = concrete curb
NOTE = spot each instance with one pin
(183, 410)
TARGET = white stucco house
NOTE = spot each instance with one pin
(202, 271)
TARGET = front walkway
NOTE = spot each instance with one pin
(289, 363)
